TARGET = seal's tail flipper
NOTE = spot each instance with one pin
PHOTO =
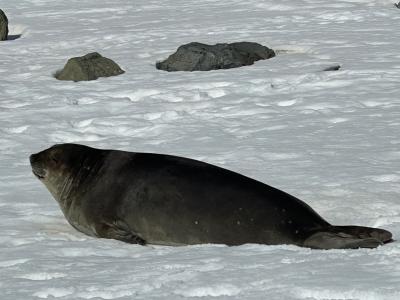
(366, 232)
(348, 237)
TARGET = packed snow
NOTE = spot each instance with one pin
(330, 138)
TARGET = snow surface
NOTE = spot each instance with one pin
(329, 138)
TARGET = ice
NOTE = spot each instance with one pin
(210, 291)
(42, 276)
(53, 292)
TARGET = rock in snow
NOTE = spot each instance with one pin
(88, 67)
(202, 57)
(3, 26)
(332, 68)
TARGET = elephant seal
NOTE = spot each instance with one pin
(148, 198)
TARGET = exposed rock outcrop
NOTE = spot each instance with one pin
(202, 57)
(88, 67)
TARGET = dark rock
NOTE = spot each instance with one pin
(332, 68)
(202, 57)
(397, 5)
(88, 67)
(3, 26)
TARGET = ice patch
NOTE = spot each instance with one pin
(35, 68)
(386, 178)
(217, 290)
(13, 105)
(336, 192)
(144, 55)
(280, 156)
(321, 106)
(216, 93)
(105, 294)
(41, 276)
(392, 155)
(67, 137)
(292, 49)
(341, 16)
(137, 95)
(86, 100)
(324, 294)
(14, 262)
(211, 267)
(209, 85)
(337, 120)
(274, 7)
(164, 116)
(371, 103)
(83, 123)
(287, 103)
(54, 292)
(19, 129)
(276, 127)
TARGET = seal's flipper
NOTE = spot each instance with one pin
(365, 232)
(119, 230)
(332, 240)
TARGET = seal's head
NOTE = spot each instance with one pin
(59, 166)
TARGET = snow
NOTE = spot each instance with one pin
(329, 138)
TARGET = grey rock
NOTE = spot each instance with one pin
(202, 57)
(332, 68)
(3, 26)
(397, 5)
(88, 67)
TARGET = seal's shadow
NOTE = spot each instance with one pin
(16, 31)
(13, 37)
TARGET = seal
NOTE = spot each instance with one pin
(147, 198)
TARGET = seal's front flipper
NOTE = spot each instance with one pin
(119, 230)
(333, 240)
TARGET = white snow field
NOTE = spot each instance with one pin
(331, 139)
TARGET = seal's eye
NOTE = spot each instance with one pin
(54, 158)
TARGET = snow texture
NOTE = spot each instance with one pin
(329, 138)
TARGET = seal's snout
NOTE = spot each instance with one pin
(37, 170)
(32, 158)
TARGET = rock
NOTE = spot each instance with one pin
(202, 57)
(3, 26)
(397, 5)
(88, 67)
(332, 68)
